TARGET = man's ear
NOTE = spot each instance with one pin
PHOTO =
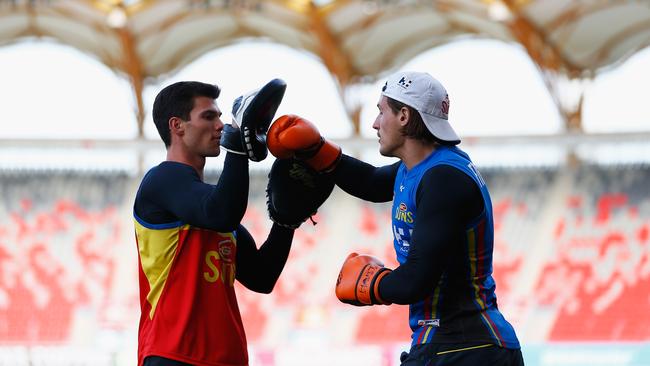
(403, 116)
(176, 126)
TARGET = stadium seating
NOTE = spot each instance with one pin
(598, 276)
(60, 244)
(572, 252)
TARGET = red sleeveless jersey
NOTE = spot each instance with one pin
(187, 297)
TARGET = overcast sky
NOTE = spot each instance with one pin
(54, 91)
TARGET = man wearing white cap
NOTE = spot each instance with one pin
(442, 226)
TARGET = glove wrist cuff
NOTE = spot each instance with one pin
(327, 157)
(374, 294)
(234, 151)
(231, 140)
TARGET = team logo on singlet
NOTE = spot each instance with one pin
(220, 263)
(226, 250)
(478, 176)
(403, 214)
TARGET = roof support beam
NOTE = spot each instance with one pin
(337, 62)
(557, 71)
(132, 66)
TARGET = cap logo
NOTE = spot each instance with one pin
(404, 83)
(383, 88)
(445, 105)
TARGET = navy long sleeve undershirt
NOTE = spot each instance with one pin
(364, 180)
(447, 200)
(259, 269)
(174, 192)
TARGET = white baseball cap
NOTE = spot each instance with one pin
(424, 93)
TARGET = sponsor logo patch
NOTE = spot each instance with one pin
(404, 83)
(429, 322)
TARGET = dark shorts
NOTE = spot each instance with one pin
(161, 361)
(461, 354)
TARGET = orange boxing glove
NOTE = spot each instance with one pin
(358, 281)
(291, 136)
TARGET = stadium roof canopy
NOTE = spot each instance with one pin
(357, 40)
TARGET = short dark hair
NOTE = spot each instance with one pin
(177, 100)
(415, 127)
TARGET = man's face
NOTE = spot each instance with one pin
(388, 128)
(203, 130)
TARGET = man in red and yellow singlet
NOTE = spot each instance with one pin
(191, 245)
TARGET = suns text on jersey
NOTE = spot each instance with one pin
(403, 214)
(217, 269)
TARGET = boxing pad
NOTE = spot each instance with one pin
(295, 192)
(253, 113)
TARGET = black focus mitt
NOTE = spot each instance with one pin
(295, 191)
(253, 113)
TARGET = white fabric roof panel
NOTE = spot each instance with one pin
(588, 34)
(356, 39)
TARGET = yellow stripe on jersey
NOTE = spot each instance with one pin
(427, 333)
(471, 247)
(435, 300)
(494, 333)
(464, 349)
(157, 249)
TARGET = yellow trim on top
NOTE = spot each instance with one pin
(434, 301)
(157, 249)
(426, 334)
(471, 244)
(463, 349)
(494, 333)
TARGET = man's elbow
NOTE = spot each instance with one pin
(260, 286)
(265, 288)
